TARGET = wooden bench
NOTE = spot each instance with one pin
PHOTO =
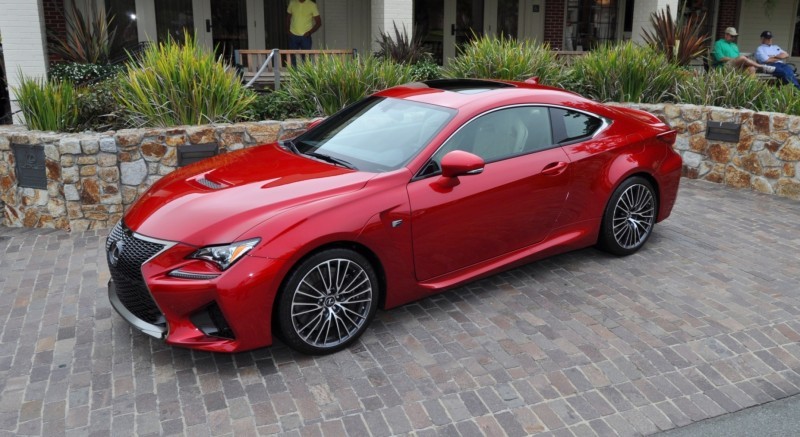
(266, 68)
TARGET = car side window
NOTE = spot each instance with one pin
(569, 126)
(499, 135)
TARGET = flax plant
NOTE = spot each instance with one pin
(493, 57)
(679, 41)
(723, 87)
(89, 37)
(47, 105)
(175, 83)
(624, 73)
(330, 83)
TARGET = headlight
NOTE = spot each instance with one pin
(225, 256)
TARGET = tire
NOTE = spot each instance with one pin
(629, 217)
(328, 301)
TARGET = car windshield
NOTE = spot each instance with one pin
(376, 134)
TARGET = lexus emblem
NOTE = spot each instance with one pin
(115, 253)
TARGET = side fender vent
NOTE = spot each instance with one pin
(210, 184)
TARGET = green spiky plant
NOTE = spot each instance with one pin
(498, 57)
(722, 87)
(47, 105)
(330, 83)
(175, 83)
(624, 72)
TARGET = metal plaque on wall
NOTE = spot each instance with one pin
(195, 152)
(30, 166)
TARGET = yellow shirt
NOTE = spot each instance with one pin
(303, 14)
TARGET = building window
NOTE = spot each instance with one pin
(590, 23)
(173, 17)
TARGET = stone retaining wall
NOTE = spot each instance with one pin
(766, 158)
(93, 178)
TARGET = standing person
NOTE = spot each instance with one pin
(772, 55)
(726, 52)
(302, 19)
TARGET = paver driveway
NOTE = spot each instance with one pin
(703, 321)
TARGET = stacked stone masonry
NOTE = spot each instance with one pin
(766, 158)
(93, 178)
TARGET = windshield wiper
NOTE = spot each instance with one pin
(331, 159)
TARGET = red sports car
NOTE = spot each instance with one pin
(413, 190)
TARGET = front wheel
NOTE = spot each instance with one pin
(328, 301)
(629, 217)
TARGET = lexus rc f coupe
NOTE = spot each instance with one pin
(411, 191)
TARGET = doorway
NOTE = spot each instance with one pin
(447, 25)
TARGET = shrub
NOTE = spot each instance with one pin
(426, 70)
(84, 73)
(493, 57)
(724, 87)
(278, 105)
(47, 105)
(88, 38)
(782, 98)
(401, 48)
(172, 84)
(624, 73)
(330, 83)
(97, 107)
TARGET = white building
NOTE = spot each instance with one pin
(260, 24)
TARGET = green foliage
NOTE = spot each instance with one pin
(84, 73)
(47, 105)
(785, 99)
(89, 38)
(330, 83)
(426, 69)
(624, 73)
(178, 84)
(277, 105)
(679, 42)
(97, 107)
(491, 57)
(724, 87)
(401, 48)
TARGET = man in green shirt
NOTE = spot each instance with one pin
(726, 52)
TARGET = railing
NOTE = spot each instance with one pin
(265, 67)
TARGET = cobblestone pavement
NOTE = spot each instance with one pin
(702, 322)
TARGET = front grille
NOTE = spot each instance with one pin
(125, 261)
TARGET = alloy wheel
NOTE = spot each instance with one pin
(634, 216)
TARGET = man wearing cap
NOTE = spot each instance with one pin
(726, 52)
(772, 55)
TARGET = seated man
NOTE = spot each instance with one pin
(726, 53)
(772, 55)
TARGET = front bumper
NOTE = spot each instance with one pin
(229, 313)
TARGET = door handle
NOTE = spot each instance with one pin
(208, 25)
(554, 168)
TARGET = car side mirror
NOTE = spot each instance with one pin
(459, 163)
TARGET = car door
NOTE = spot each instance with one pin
(514, 202)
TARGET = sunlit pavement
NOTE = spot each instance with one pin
(702, 322)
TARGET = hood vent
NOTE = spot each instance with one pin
(210, 184)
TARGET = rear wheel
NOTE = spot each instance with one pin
(629, 217)
(328, 301)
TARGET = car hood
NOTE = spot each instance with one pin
(216, 200)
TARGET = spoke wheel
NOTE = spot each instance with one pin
(328, 301)
(629, 217)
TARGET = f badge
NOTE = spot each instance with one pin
(115, 253)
